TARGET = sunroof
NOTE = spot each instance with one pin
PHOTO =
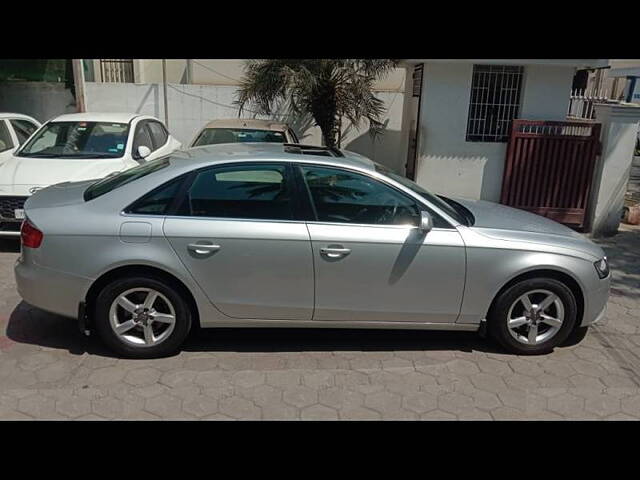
(312, 150)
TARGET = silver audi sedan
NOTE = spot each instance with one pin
(283, 235)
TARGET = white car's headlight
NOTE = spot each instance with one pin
(602, 267)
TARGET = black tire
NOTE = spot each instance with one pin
(576, 336)
(497, 318)
(169, 345)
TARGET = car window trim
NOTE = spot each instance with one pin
(419, 203)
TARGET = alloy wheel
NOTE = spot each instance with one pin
(143, 317)
(535, 317)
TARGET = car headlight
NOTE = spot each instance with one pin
(602, 267)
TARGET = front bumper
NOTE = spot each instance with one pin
(596, 303)
(51, 290)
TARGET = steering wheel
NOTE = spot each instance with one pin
(389, 215)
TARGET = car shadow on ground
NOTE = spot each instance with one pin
(32, 326)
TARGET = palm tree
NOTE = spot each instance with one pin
(326, 89)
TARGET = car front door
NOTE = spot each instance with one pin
(372, 263)
(236, 230)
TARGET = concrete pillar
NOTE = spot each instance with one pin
(619, 133)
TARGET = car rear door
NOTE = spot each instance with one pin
(372, 263)
(237, 232)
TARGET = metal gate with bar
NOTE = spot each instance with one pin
(549, 168)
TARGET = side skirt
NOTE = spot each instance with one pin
(248, 323)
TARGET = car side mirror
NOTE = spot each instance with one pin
(426, 221)
(142, 152)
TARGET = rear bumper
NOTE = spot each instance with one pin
(51, 290)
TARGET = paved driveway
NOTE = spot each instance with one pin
(49, 371)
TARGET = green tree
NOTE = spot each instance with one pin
(327, 89)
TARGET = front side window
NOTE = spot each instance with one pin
(78, 140)
(142, 137)
(5, 137)
(430, 197)
(159, 134)
(212, 136)
(251, 192)
(23, 129)
(346, 197)
(494, 103)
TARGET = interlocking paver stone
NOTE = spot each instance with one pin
(48, 371)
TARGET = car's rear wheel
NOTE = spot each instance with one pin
(142, 317)
(533, 316)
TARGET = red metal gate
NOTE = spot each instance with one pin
(549, 168)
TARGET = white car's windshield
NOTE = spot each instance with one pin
(78, 140)
(212, 136)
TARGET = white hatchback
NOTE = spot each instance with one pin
(75, 147)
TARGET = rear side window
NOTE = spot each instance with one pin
(158, 201)
(252, 192)
(113, 182)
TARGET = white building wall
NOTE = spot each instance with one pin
(446, 162)
(191, 106)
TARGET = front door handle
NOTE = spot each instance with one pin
(203, 248)
(335, 252)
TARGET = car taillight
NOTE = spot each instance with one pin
(30, 235)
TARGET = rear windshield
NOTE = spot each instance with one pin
(212, 136)
(112, 182)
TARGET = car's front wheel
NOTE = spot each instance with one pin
(533, 316)
(142, 317)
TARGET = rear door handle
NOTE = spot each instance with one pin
(203, 248)
(335, 252)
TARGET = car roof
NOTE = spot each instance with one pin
(97, 117)
(16, 115)
(246, 152)
(247, 123)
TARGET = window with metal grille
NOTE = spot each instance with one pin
(117, 70)
(495, 102)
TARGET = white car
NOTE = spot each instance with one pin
(75, 147)
(15, 129)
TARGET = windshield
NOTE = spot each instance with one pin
(434, 199)
(212, 136)
(112, 182)
(78, 140)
